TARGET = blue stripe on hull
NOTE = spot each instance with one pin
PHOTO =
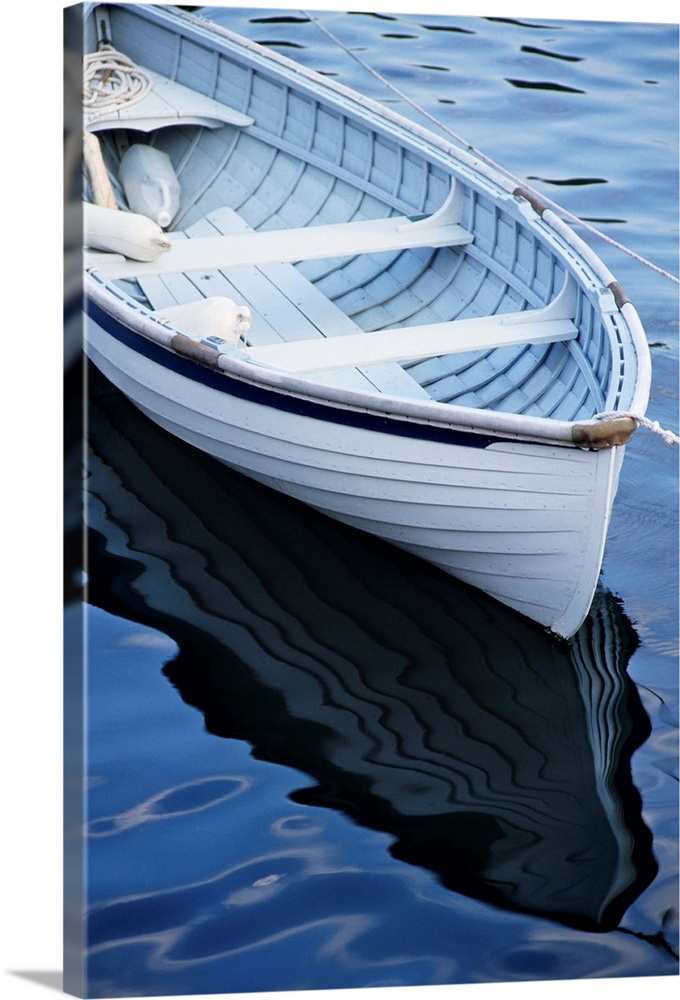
(264, 396)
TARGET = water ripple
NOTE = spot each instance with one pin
(182, 800)
(552, 956)
(568, 181)
(543, 85)
(533, 50)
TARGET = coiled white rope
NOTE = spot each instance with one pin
(111, 81)
(651, 425)
(487, 159)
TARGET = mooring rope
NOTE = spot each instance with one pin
(487, 159)
(111, 81)
(651, 425)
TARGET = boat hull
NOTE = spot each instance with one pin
(432, 355)
(523, 521)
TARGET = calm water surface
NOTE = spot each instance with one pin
(313, 761)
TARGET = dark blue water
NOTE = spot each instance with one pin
(314, 763)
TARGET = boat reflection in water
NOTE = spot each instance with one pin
(493, 754)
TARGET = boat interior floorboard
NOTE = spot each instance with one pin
(284, 305)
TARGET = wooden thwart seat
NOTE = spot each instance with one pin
(278, 246)
(289, 245)
(538, 326)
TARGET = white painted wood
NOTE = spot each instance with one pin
(168, 103)
(289, 245)
(410, 343)
(539, 326)
(286, 308)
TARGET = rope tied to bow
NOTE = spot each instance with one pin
(651, 425)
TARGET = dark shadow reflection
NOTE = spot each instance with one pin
(494, 755)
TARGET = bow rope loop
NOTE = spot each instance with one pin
(651, 425)
(487, 159)
(111, 81)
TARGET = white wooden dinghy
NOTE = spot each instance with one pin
(355, 312)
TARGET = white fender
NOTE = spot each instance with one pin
(217, 317)
(126, 233)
